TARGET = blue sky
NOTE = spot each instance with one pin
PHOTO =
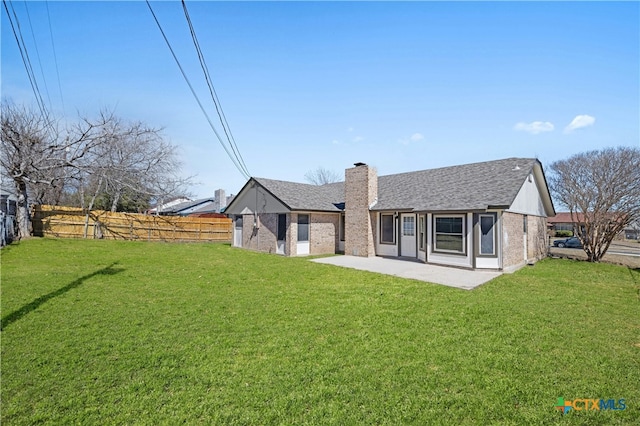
(400, 86)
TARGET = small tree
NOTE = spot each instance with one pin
(604, 188)
(321, 176)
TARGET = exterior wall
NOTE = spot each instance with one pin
(528, 200)
(512, 241)
(291, 245)
(262, 238)
(537, 238)
(324, 233)
(254, 198)
(361, 191)
(516, 250)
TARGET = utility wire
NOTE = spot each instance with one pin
(35, 44)
(212, 91)
(55, 56)
(25, 60)
(240, 169)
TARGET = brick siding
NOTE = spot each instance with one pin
(513, 240)
(361, 189)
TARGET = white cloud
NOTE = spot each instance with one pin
(335, 142)
(579, 122)
(535, 127)
(350, 129)
(416, 137)
(358, 139)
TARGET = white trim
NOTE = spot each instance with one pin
(493, 231)
(465, 249)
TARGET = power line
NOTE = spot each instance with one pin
(35, 44)
(25, 59)
(212, 91)
(55, 56)
(231, 157)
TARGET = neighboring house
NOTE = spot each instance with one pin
(168, 205)
(490, 215)
(8, 209)
(563, 221)
(182, 206)
(203, 205)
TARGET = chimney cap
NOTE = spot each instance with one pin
(359, 164)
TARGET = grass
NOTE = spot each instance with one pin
(107, 332)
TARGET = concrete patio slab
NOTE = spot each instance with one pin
(452, 277)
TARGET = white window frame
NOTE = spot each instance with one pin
(422, 232)
(463, 217)
(308, 228)
(393, 222)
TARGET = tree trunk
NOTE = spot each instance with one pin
(90, 206)
(23, 218)
(116, 198)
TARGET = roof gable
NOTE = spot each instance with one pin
(303, 196)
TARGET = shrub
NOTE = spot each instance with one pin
(564, 233)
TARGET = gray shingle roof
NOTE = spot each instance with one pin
(303, 196)
(465, 187)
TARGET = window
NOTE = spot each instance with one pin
(449, 234)
(282, 227)
(408, 226)
(342, 226)
(487, 234)
(421, 233)
(387, 234)
(303, 227)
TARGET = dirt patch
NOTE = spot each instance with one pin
(579, 254)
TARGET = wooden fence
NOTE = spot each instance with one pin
(70, 222)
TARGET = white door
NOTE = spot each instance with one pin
(408, 235)
(237, 232)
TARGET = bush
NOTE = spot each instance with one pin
(564, 233)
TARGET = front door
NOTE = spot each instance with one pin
(408, 235)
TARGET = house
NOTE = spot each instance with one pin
(183, 206)
(167, 205)
(202, 205)
(564, 221)
(489, 215)
(8, 210)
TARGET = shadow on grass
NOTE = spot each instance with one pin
(16, 315)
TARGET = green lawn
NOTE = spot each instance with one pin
(104, 332)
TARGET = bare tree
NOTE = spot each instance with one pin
(604, 187)
(104, 156)
(35, 155)
(321, 176)
(134, 159)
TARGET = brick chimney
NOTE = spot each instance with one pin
(360, 192)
